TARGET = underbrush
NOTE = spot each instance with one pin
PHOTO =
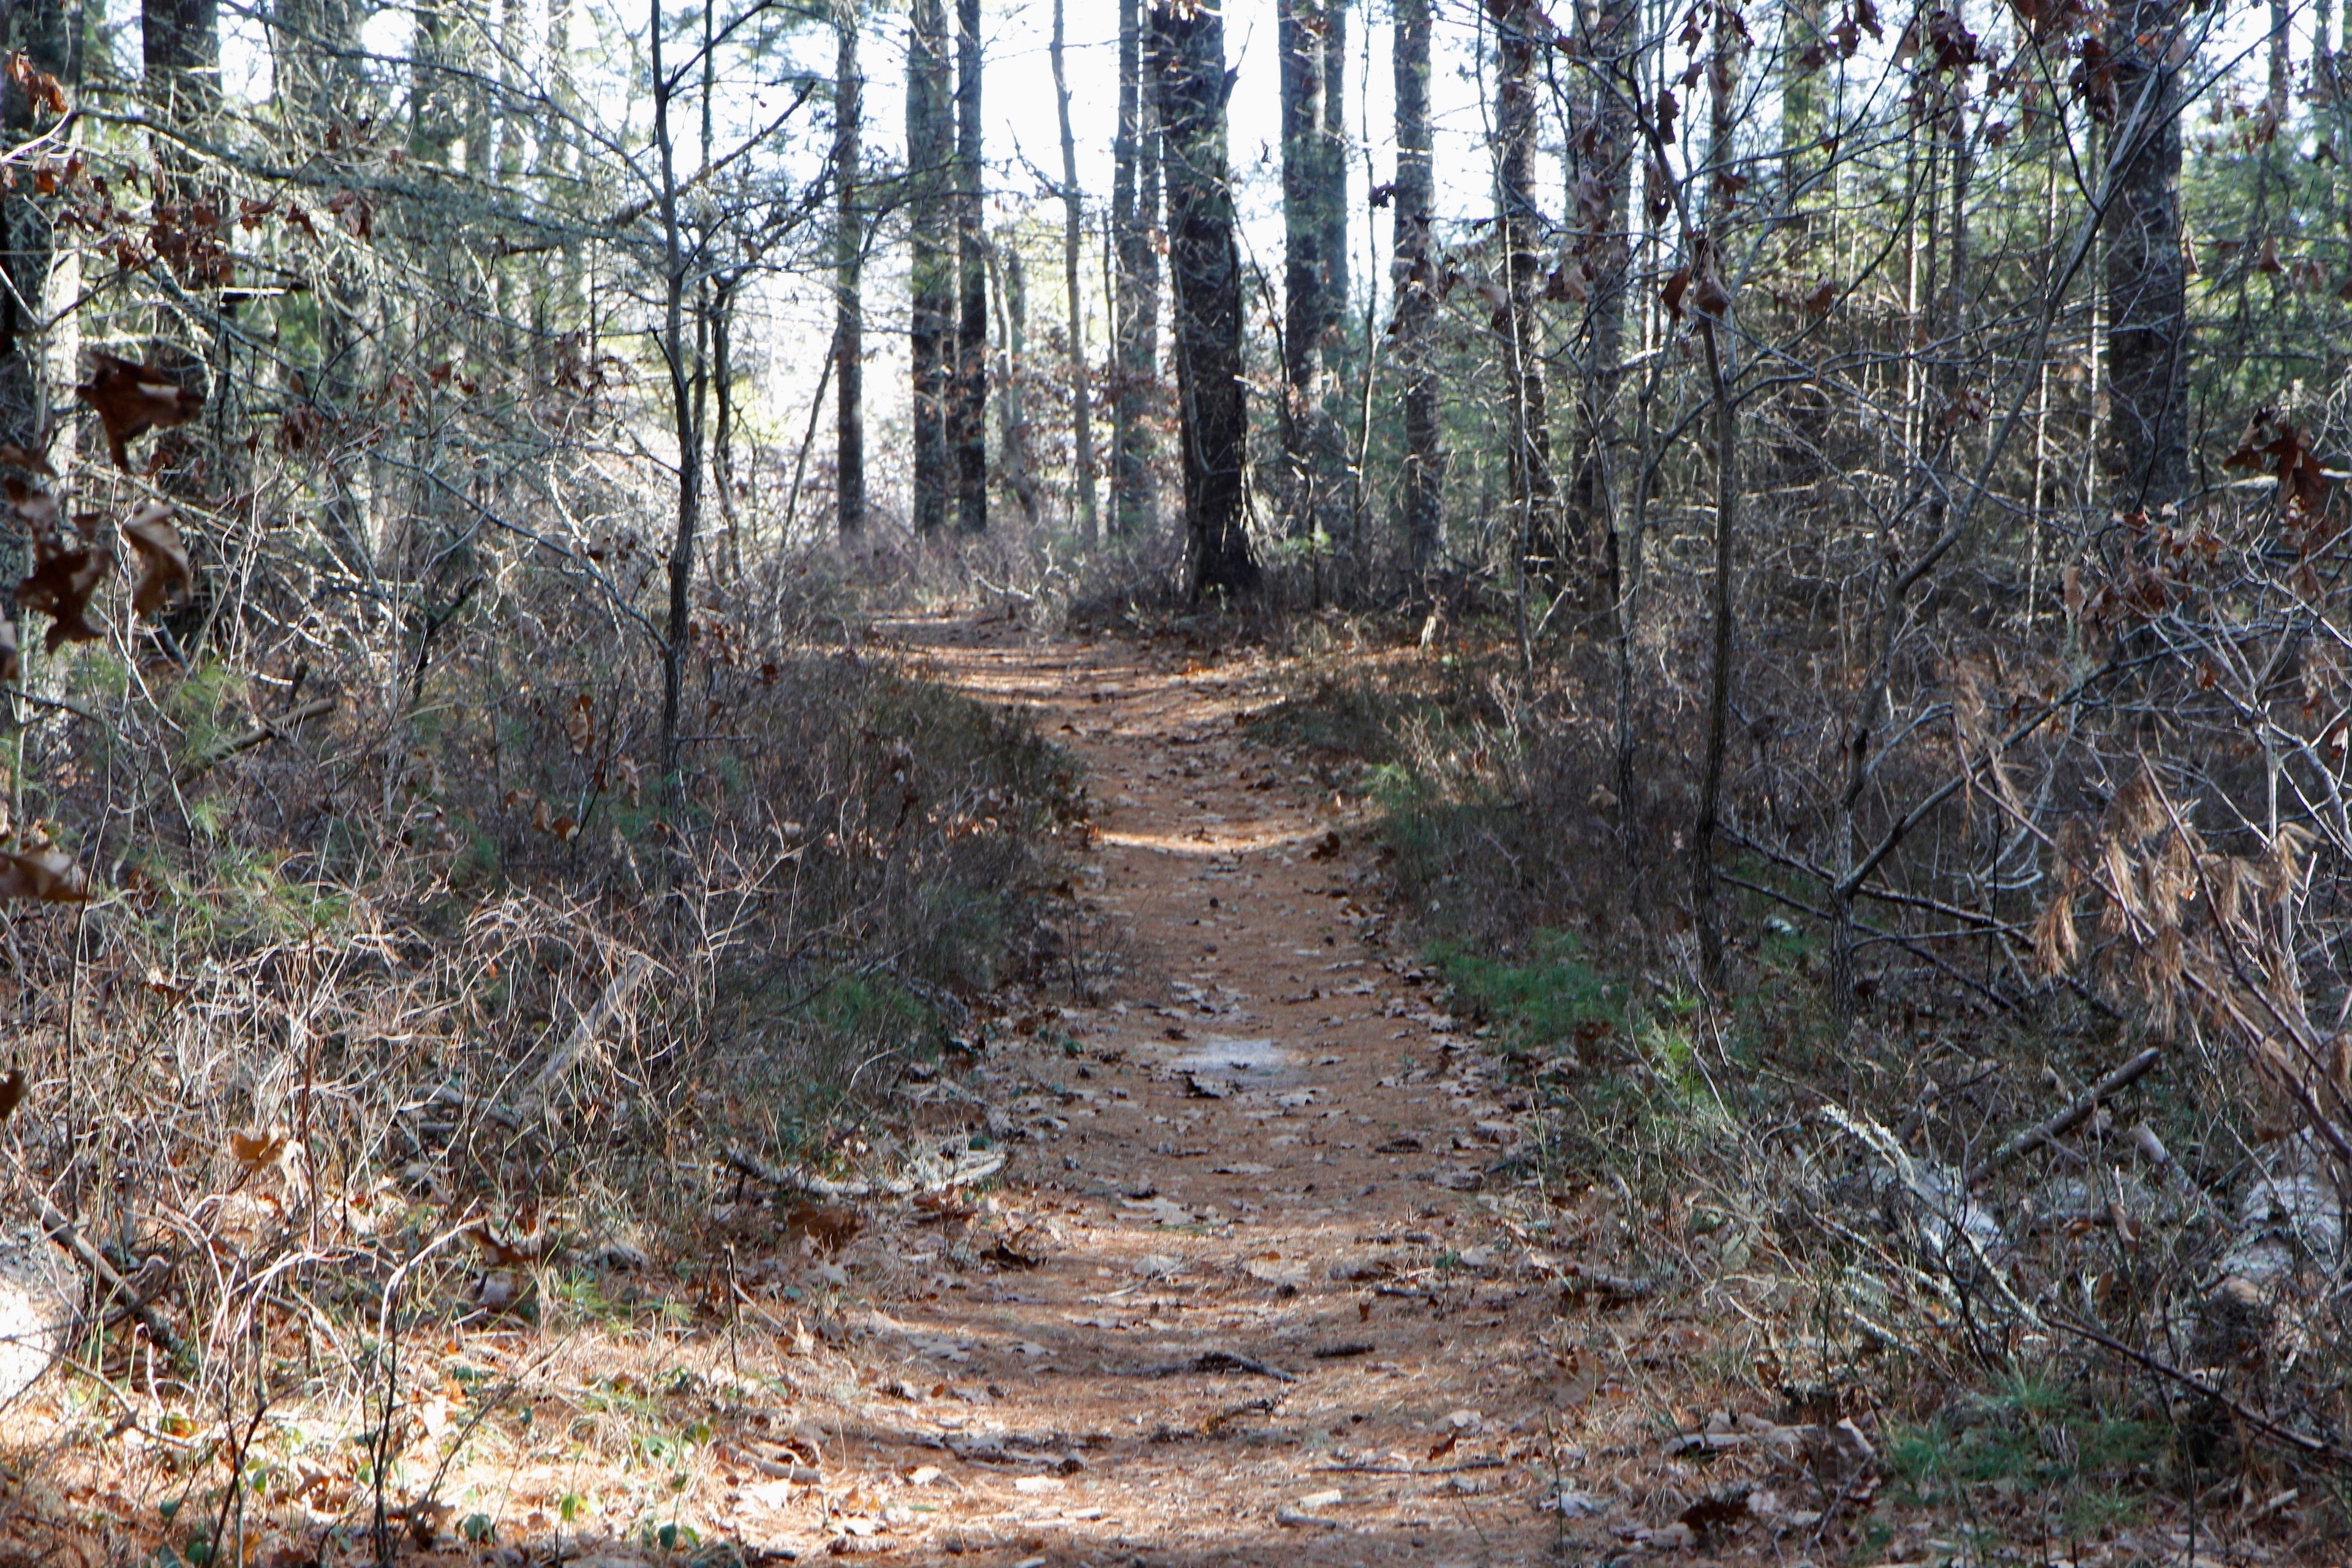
(408, 997)
(2040, 1344)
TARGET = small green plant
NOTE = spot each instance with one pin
(2033, 1440)
(1537, 997)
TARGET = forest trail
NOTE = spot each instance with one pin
(1245, 1303)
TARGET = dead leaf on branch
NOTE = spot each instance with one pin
(63, 580)
(1671, 296)
(39, 462)
(36, 506)
(164, 569)
(255, 1149)
(41, 90)
(2302, 483)
(580, 724)
(132, 399)
(9, 663)
(357, 213)
(48, 874)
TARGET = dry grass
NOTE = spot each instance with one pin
(1784, 1171)
(431, 1015)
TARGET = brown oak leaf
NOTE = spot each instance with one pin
(164, 569)
(132, 399)
(62, 582)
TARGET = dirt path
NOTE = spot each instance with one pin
(1242, 1301)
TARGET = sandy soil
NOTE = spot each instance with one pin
(1271, 1314)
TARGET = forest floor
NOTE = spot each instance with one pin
(1268, 1276)
(1258, 1308)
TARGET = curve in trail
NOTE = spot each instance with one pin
(1248, 1301)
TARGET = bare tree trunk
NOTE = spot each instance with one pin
(1082, 414)
(1188, 46)
(1604, 184)
(1520, 32)
(1334, 202)
(1719, 690)
(931, 281)
(1011, 289)
(435, 110)
(2147, 281)
(722, 415)
(1711, 293)
(1415, 282)
(39, 32)
(968, 419)
(684, 396)
(2282, 63)
(1302, 35)
(1135, 302)
(848, 275)
(1804, 48)
(180, 40)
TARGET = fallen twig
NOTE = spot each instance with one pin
(2077, 1112)
(534, 1099)
(1488, 1464)
(268, 729)
(119, 1291)
(1216, 1361)
(2317, 1448)
(971, 1168)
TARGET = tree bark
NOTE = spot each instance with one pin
(683, 397)
(436, 118)
(1603, 186)
(1800, 91)
(1710, 292)
(1302, 44)
(1082, 415)
(1187, 46)
(2282, 64)
(848, 275)
(968, 420)
(1520, 35)
(931, 281)
(1704, 912)
(1334, 202)
(38, 31)
(2146, 282)
(1135, 303)
(1415, 283)
(1012, 379)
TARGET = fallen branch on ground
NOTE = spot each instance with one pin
(973, 1167)
(268, 729)
(1216, 1360)
(533, 1102)
(2077, 1112)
